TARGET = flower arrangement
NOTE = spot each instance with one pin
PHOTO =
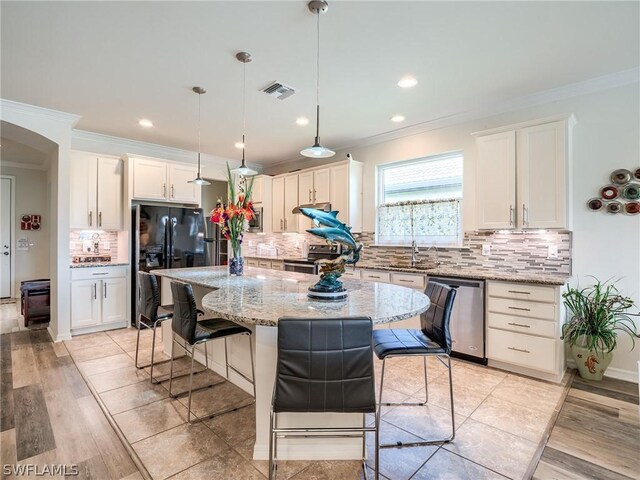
(233, 217)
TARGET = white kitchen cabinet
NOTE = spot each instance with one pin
(290, 202)
(277, 205)
(496, 169)
(252, 262)
(305, 188)
(542, 176)
(321, 185)
(99, 298)
(96, 192)
(179, 188)
(277, 265)
(523, 329)
(522, 177)
(85, 303)
(155, 179)
(313, 188)
(345, 193)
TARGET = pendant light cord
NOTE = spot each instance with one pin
(318, 78)
(199, 120)
(244, 102)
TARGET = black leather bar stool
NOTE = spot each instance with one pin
(150, 313)
(186, 326)
(433, 339)
(324, 366)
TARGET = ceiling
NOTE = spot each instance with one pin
(117, 62)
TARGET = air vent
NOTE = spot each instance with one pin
(279, 90)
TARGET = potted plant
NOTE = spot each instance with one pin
(596, 315)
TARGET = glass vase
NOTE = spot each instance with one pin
(236, 266)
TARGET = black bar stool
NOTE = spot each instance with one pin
(324, 365)
(433, 339)
(150, 313)
(185, 325)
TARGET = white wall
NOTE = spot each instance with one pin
(31, 196)
(606, 137)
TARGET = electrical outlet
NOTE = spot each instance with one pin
(552, 251)
(486, 249)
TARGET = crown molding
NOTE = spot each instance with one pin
(26, 166)
(69, 119)
(586, 87)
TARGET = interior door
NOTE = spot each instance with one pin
(6, 275)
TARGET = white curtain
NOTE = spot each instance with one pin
(426, 222)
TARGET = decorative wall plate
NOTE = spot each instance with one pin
(621, 176)
(595, 204)
(609, 192)
(636, 173)
(614, 207)
(632, 208)
(631, 192)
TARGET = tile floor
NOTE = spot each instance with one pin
(499, 430)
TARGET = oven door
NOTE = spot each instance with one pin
(301, 268)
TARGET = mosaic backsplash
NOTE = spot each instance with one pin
(518, 251)
(77, 238)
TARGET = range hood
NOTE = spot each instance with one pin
(326, 206)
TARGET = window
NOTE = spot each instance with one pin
(421, 200)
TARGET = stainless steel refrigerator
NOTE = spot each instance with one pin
(167, 237)
(216, 246)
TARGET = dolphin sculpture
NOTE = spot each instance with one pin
(320, 217)
(341, 236)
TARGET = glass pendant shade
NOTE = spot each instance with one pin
(317, 151)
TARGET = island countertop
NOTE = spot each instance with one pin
(261, 296)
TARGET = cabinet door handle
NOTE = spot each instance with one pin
(405, 281)
(105, 289)
(310, 196)
(103, 273)
(519, 291)
(520, 308)
(519, 350)
(281, 225)
(164, 189)
(374, 276)
(285, 224)
(314, 195)
(173, 194)
(519, 325)
(99, 219)
(95, 291)
(511, 215)
(525, 215)
(91, 218)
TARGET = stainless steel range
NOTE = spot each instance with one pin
(316, 252)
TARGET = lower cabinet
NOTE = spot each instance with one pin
(99, 298)
(264, 263)
(523, 329)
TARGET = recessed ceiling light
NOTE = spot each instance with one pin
(407, 82)
(397, 118)
(302, 121)
(145, 122)
(239, 145)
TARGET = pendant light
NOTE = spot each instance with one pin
(199, 180)
(318, 151)
(243, 170)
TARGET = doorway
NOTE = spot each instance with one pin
(7, 205)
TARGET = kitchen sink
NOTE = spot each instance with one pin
(419, 266)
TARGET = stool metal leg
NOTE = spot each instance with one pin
(253, 365)
(190, 386)
(453, 420)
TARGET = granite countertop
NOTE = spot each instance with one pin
(261, 296)
(479, 274)
(98, 264)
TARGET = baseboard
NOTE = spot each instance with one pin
(621, 374)
(60, 337)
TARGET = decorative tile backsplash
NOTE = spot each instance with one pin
(77, 238)
(517, 251)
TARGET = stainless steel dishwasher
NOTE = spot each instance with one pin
(467, 318)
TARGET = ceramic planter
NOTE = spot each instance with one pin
(591, 364)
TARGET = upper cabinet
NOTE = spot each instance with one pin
(522, 177)
(283, 201)
(345, 193)
(96, 192)
(164, 181)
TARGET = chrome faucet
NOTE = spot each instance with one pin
(414, 253)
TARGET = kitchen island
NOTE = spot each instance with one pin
(257, 300)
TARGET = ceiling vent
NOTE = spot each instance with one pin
(279, 90)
